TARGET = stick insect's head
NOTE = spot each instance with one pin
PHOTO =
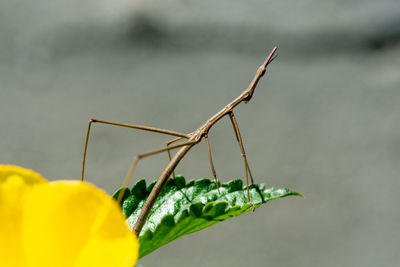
(260, 72)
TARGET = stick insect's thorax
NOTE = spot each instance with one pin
(244, 96)
(206, 126)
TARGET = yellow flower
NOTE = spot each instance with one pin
(63, 223)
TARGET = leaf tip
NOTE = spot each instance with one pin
(297, 194)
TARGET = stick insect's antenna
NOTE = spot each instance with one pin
(270, 57)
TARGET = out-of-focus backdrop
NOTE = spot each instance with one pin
(324, 121)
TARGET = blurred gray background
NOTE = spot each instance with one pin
(324, 121)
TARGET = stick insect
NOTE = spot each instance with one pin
(191, 140)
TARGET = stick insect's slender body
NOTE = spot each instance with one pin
(192, 139)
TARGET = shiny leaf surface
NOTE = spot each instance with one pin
(183, 208)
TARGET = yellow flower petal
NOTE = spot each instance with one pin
(68, 223)
(58, 224)
(7, 172)
(15, 182)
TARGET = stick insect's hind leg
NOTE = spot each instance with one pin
(169, 152)
(173, 172)
(133, 126)
(209, 155)
(246, 164)
(143, 155)
(211, 163)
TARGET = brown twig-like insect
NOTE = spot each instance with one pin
(192, 139)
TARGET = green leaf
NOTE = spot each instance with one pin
(183, 208)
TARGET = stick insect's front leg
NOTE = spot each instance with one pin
(133, 126)
(211, 162)
(143, 155)
(246, 164)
